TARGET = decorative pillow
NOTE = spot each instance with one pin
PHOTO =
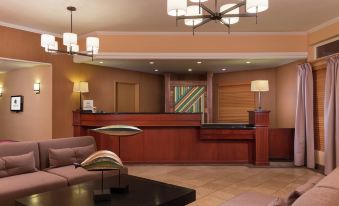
(16, 165)
(81, 153)
(69, 156)
(61, 157)
(278, 202)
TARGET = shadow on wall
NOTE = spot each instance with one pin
(35, 121)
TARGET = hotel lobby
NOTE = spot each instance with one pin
(197, 102)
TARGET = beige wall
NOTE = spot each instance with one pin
(268, 98)
(203, 43)
(286, 94)
(35, 122)
(26, 46)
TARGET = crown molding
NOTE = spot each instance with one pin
(124, 33)
(29, 29)
(202, 56)
(323, 25)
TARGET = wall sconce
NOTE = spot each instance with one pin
(36, 88)
(1, 91)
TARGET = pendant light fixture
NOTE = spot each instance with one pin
(70, 40)
(227, 14)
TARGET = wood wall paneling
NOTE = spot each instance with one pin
(234, 101)
(281, 144)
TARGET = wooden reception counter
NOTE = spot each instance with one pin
(180, 138)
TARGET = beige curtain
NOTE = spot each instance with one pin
(304, 133)
(331, 115)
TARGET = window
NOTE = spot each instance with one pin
(327, 48)
(234, 102)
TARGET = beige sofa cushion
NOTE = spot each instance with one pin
(30, 183)
(318, 196)
(249, 199)
(79, 175)
(16, 165)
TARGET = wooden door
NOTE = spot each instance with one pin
(127, 97)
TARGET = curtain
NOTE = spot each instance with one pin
(304, 126)
(331, 116)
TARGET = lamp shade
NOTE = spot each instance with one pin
(70, 39)
(256, 6)
(47, 40)
(36, 88)
(230, 20)
(53, 47)
(259, 86)
(193, 11)
(74, 47)
(197, 1)
(1, 91)
(81, 87)
(176, 7)
(92, 45)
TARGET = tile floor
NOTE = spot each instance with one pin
(217, 184)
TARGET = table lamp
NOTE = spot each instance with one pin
(259, 86)
(81, 87)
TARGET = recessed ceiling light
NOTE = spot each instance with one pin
(101, 62)
(199, 62)
(151, 62)
(248, 62)
(156, 70)
(190, 70)
(223, 69)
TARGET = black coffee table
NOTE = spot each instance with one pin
(142, 192)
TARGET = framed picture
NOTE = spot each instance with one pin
(17, 103)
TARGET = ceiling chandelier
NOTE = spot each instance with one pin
(70, 40)
(228, 14)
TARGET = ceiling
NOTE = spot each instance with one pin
(182, 66)
(151, 16)
(7, 65)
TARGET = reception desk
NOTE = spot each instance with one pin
(180, 138)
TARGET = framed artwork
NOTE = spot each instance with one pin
(17, 103)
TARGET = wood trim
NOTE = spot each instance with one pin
(209, 97)
(321, 63)
(167, 87)
(188, 83)
(226, 134)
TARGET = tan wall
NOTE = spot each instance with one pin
(321, 35)
(286, 94)
(203, 43)
(268, 98)
(26, 46)
(35, 122)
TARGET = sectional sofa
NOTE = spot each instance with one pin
(32, 167)
(317, 191)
